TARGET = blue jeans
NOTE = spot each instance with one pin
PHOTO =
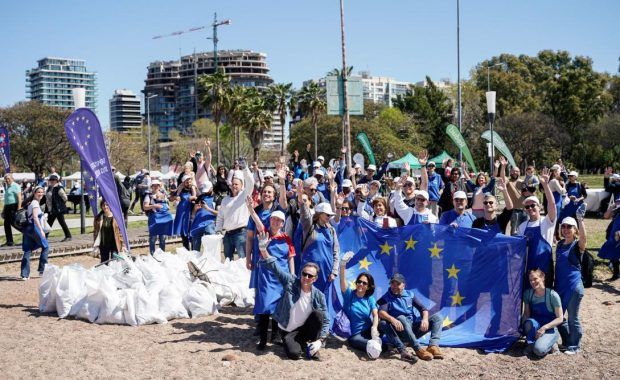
(25, 268)
(570, 330)
(234, 240)
(412, 331)
(542, 345)
(359, 340)
(162, 242)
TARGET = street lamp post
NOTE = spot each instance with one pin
(148, 123)
(458, 72)
(491, 115)
(346, 126)
(79, 101)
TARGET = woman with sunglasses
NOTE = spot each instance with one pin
(360, 306)
(538, 232)
(33, 235)
(568, 283)
(542, 313)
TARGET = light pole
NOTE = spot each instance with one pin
(79, 101)
(346, 127)
(148, 123)
(491, 115)
(458, 72)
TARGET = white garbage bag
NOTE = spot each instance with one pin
(200, 299)
(47, 288)
(212, 247)
(70, 288)
(111, 311)
(171, 303)
(88, 307)
(147, 307)
(129, 311)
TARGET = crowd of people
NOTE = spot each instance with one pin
(283, 221)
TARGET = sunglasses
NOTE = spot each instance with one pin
(360, 282)
(527, 207)
(345, 209)
(307, 275)
(408, 184)
(312, 190)
(488, 203)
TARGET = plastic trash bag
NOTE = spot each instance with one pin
(47, 288)
(70, 289)
(200, 299)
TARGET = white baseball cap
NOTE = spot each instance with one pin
(268, 174)
(206, 187)
(372, 167)
(410, 179)
(573, 173)
(357, 166)
(347, 183)
(459, 195)
(321, 158)
(423, 193)
(278, 214)
(186, 177)
(316, 164)
(155, 182)
(532, 198)
(555, 167)
(375, 182)
(396, 179)
(570, 221)
(319, 172)
(325, 208)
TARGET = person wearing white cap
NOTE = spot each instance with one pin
(538, 232)
(205, 214)
(558, 190)
(268, 287)
(319, 241)
(415, 215)
(232, 217)
(322, 183)
(347, 190)
(373, 174)
(568, 282)
(160, 221)
(459, 216)
(185, 194)
(492, 221)
(576, 193)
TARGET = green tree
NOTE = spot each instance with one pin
(214, 89)
(257, 119)
(37, 136)
(312, 102)
(431, 110)
(280, 96)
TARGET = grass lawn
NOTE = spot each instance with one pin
(594, 181)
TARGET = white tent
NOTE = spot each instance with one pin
(170, 175)
(73, 177)
(21, 177)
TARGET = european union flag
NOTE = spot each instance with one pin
(472, 278)
(85, 135)
(90, 189)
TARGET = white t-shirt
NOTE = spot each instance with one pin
(34, 204)
(299, 312)
(547, 228)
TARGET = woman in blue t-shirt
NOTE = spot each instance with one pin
(360, 307)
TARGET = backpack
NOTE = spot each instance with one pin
(20, 220)
(124, 194)
(587, 269)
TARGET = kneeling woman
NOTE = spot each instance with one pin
(542, 314)
(268, 287)
(360, 307)
(107, 232)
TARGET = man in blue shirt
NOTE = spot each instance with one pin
(435, 185)
(403, 316)
(459, 216)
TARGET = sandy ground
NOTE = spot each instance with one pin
(34, 345)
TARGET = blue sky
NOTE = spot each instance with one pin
(404, 39)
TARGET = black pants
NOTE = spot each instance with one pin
(138, 197)
(296, 341)
(185, 240)
(8, 214)
(61, 221)
(106, 253)
(263, 328)
(125, 211)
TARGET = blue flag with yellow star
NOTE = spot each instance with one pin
(89, 187)
(472, 278)
(85, 135)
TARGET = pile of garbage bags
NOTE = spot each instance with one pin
(147, 289)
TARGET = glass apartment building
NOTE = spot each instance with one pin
(125, 115)
(52, 81)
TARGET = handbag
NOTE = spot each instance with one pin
(46, 227)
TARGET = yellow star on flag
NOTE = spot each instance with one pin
(410, 243)
(435, 251)
(457, 299)
(385, 248)
(453, 272)
(364, 264)
(446, 322)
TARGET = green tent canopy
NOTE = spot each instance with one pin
(438, 160)
(410, 158)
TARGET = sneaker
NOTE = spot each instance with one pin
(406, 356)
(435, 351)
(24, 278)
(423, 354)
(572, 351)
(528, 350)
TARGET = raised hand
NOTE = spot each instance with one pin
(464, 165)
(343, 150)
(544, 176)
(364, 190)
(501, 185)
(496, 164)
(330, 174)
(249, 203)
(423, 157)
(503, 161)
(263, 241)
(340, 200)
(296, 153)
(208, 142)
(346, 258)
(407, 167)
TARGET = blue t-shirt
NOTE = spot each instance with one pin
(404, 304)
(359, 311)
(434, 185)
(465, 220)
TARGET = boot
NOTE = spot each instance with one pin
(275, 332)
(263, 330)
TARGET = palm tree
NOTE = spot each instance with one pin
(214, 88)
(257, 119)
(312, 101)
(234, 108)
(279, 98)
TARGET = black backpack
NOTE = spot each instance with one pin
(587, 269)
(20, 220)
